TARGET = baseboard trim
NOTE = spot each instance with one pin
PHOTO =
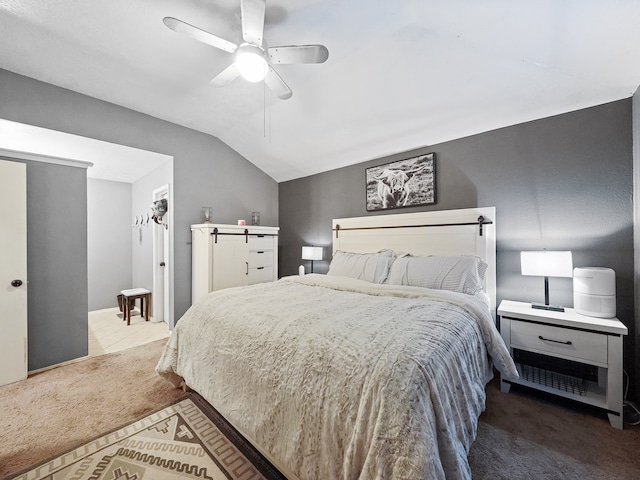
(51, 367)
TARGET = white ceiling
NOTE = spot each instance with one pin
(401, 74)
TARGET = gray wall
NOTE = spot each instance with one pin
(563, 182)
(56, 263)
(109, 241)
(206, 171)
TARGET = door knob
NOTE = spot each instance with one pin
(16, 283)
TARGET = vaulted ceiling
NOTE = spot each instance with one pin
(401, 74)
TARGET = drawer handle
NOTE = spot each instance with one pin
(259, 252)
(568, 342)
(260, 268)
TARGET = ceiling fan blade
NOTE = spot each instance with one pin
(277, 85)
(299, 54)
(252, 14)
(226, 76)
(200, 35)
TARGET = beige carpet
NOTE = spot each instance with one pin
(521, 435)
(58, 409)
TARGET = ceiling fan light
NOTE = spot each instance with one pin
(252, 65)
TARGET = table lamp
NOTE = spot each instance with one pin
(311, 253)
(547, 264)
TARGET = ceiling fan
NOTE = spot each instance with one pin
(253, 58)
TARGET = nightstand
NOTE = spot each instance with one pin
(566, 354)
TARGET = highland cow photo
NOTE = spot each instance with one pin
(404, 183)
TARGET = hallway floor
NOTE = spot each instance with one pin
(109, 333)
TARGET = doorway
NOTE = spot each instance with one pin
(110, 162)
(126, 246)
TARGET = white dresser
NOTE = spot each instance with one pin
(225, 256)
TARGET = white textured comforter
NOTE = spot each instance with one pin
(342, 379)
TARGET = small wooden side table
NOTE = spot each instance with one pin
(129, 298)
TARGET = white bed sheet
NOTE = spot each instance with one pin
(338, 378)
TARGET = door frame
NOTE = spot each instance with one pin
(158, 253)
(14, 308)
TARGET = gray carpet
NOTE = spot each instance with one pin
(530, 435)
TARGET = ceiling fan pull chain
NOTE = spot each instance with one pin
(270, 105)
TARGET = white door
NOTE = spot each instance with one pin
(165, 272)
(161, 262)
(13, 272)
(159, 270)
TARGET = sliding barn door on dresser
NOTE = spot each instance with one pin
(226, 256)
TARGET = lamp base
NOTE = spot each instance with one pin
(542, 306)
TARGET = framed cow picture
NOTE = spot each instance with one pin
(404, 183)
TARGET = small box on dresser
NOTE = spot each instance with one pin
(566, 354)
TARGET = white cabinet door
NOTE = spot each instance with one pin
(13, 272)
(230, 261)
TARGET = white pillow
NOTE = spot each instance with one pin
(371, 267)
(464, 273)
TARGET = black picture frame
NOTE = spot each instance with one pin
(404, 183)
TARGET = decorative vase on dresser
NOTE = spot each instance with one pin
(226, 256)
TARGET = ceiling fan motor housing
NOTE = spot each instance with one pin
(252, 63)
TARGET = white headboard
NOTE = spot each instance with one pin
(469, 231)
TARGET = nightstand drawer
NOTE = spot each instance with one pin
(584, 346)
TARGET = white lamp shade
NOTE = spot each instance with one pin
(547, 263)
(312, 253)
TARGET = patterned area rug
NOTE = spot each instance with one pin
(186, 440)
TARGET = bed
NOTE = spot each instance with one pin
(376, 370)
